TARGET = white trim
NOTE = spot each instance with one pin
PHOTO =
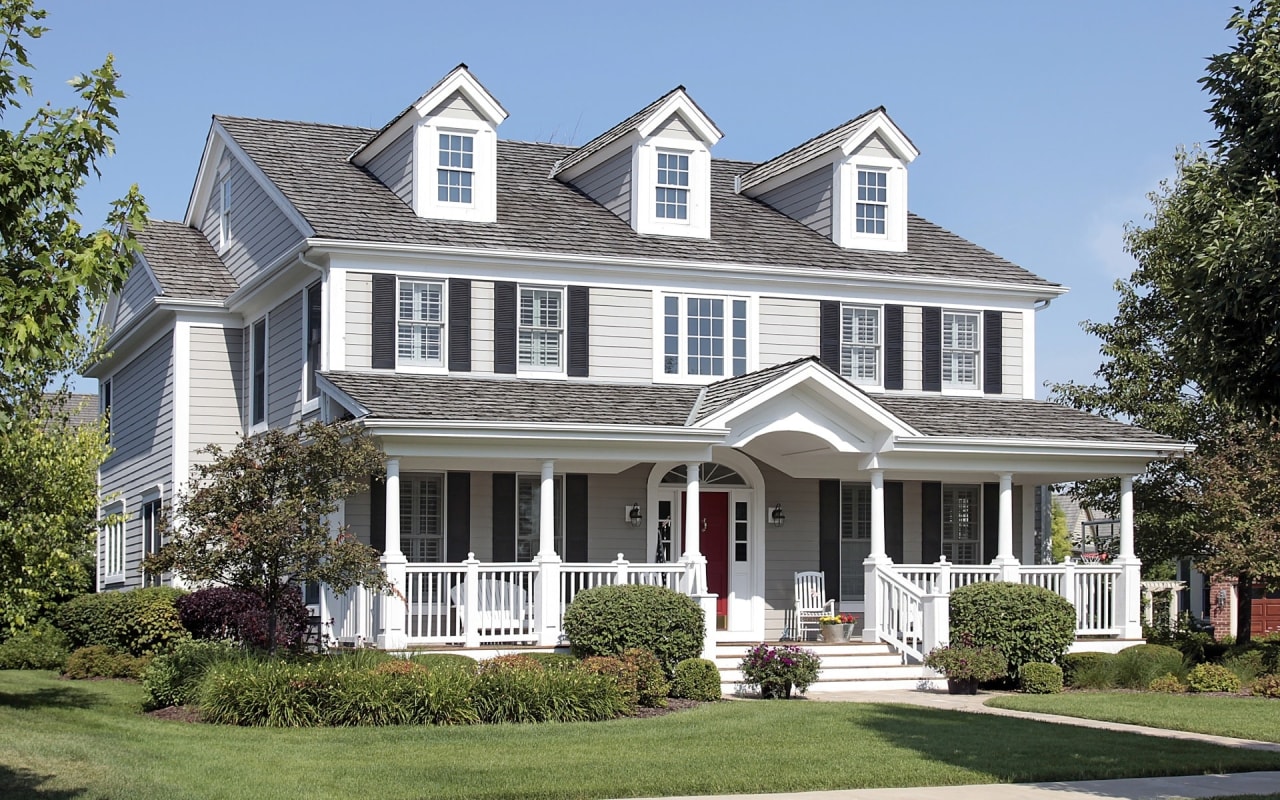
(532, 371)
(1028, 353)
(218, 139)
(644, 176)
(484, 170)
(891, 134)
(312, 404)
(953, 387)
(121, 535)
(844, 204)
(181, 464)
(877, 384)
(659, 297)
(416, 367)
(333, 325)
(258, 427)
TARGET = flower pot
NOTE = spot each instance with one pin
(962, 685)
(775, 691)
(833, 633)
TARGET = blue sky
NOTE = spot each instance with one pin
(1041, 126)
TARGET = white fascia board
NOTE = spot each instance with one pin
(273, 191)
(680, 103)
(548, 431)
(1047, 447)
(783, 279)
(204, 176)
(507, 441)
(325, 386)
(892, 135)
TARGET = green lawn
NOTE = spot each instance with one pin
(66, 739)
(1241, 717)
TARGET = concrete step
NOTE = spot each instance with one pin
(847, 667)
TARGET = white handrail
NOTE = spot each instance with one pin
(900, 617)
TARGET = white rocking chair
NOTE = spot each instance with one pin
(811, 602)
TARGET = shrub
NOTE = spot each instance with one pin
(608, 620)
(1247, 665)
(554, 660)
(511, 662)
(514, 693)
(226, 613)
(1212, 678)
(1267, 686)
(652, 686)
(1167, 683)
(446, 661)
(39, 647)
(620, 672)
(1037, 677)
(1089, 670)
(100, 661)
(173, 679)
(1025, 623)
(696, 679)
(138, 622)
(771, 668)
(91, 618)
(966, 661)
(1136, 667)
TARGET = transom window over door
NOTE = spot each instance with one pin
(672, 190)
(420, 323)
(960, 348)
(962, 524)
(704, 336)
(873, 201)
(541, 328)
(422, 519)
(457, 168)
(855, 539)
(860, 344)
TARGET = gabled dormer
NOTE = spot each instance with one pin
(653, 169)
(441, 154)
(849, 183)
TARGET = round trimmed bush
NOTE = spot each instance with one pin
(39, 647)
(1089, 670)
(651, 680)
(696, 679)
(609, 620)
(1136, 667)
(1212, 678)
(1037, 677)
(1026, 623)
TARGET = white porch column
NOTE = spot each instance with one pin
(392, 635)
(877, 516)
(547, 609)
(874, 561)
(1005, 559)
(1129, 588)
(693, 527)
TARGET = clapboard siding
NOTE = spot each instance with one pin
(135, 297)
(790, 549)
(675, 128)
(912, 349)
(285, 354)
(1012, 350)
(359, 320)
(874, 146)
(610, 184)
(259, 231)
(142, 441)
(621, 332)
(357, 516)
(481, 516)
(482, 327)
(807, 200)
(394, 166)
(911, 522)
(216, 390)
(789, 329)
(456, 107)
(610, 534)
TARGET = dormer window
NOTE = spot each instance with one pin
(457, 168)
(672, 191)
(873, 201)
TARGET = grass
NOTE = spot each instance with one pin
(1241, 717)
(87, 740)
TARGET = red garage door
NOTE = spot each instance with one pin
(1266, 612)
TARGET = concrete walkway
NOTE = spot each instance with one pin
(1171, 788)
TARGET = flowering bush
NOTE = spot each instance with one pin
(773, 668)
(967, 661)
(838, 619)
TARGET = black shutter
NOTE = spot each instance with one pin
(829, 535)
(579, 321)
(504, 516)
(378, 513)
(829, 335)
(504, 327)
(459, 325)
(893, 347)
(990, 521)
(384, 321)
(893, 520)
(575, 518)
(932, 325)
(458, 508)
(992, 352)
(930, 522)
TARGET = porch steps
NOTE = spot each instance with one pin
(850, 667)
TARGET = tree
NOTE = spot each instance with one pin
(1060, 538)
(255, 517)
(1211, 255)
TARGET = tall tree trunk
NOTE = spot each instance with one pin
(1244, 608)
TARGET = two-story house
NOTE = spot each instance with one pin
(725, 372)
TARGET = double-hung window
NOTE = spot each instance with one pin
(420, 323)
(873, 201)
(540, 329)
(855, 538)
(671, 192)
(151, 538)
(112, 555)
(106, 406)
(704, 335)
(258, 374)
(962, 524)
(224, 213)
(960, 348)
(860, 344)
(422, 518)
(456, 171)
(311, 311)
(529, 516)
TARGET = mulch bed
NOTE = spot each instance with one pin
(176, 714)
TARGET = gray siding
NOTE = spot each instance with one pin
(359, 320)
(1011, 379)
(356, 516)
(789, 329)
(142, 438)
(481, 326)
(790, 549)
(457, 107)
(259, 231)
(874, 146)
(912, 349)
(285, 355)
(621, 329)
(216, 390)
(675, 128)
(609, 533)
(135, 298)
(807, 200)
(912, 523)
(394, 166)
(610, 184)
(481, 515)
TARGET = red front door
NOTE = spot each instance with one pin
(714, 543)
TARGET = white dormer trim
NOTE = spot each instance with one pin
(890, 134)
(844, 204)
(679, 103)
(644, 184)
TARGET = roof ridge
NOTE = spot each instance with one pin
(311, 123)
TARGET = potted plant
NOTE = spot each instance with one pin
(777, 669)
(965, 665)
(836, 627)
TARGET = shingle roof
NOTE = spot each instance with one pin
(308, 162)
(613, 134)
(822, 143)
(722, 394)
(184, 262)
(992, 417)
(81, 409)
(448, 398)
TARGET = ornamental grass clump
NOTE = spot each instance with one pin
(776, 669)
